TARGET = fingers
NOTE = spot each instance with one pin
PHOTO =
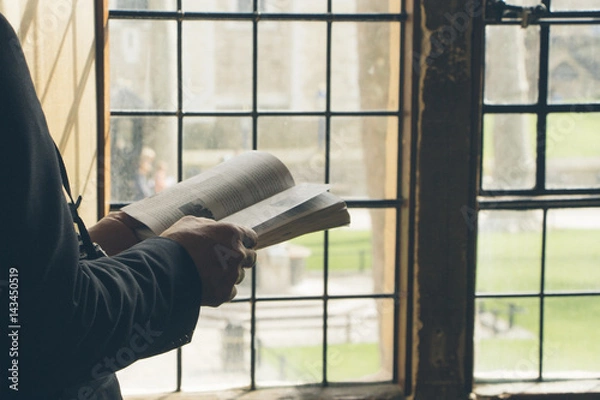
(241, 276)
(233, 293)
(221, 252)
(249, 260)
(250, 238)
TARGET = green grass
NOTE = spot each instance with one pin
(570, 342)
(511, 262)
(569, 135)
(346, 362)
(507, 262)
(349, 250)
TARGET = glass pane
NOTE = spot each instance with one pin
(572, 251)
(152, 5)
(289, 342)
(297, 142)
(361, 256)
(143, 156)
(286, 6)
(571, 345)
(219, 355)
(291, 65)
(507, 339)
(364, 74)
(362, 148)
(368, 6)
(509, 142)
(572, 67)
(209, 5)
(509, 251)
(208, 141)
(514, 79)
(293, 268)
(217, 65)
(157, 374)
(263, 6)
(359, 339)
(573, 151)
(143, 67)
(526, 3)
(575, 5)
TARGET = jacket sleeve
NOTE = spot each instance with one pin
(76, 320)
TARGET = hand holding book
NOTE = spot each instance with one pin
(254, 190)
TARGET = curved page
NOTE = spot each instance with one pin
(216, 193)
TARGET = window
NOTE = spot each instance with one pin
(538, 275)
(317, 84)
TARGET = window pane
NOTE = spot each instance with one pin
(219, 355)
(572, 251)
(573, 151)
(509, 250)
(157, 374)
(143, 156)
(298, 142)
(291, 65)
(264, 6)
(209, 6)
(507, 339)
(526, 3)
(363, 148)
(511, 80)
(287, 6)
(143, 77)
(294, 268)
(575, 5)
(361, 256)
(289, 342)
(153, 5)
(573, 64)
(208, 141)
(370, 6)
(217, 71)
(571, 346)
(358, 338)
(509, 142)
(367, 79)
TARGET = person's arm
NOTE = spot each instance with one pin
(83, 319)
(115, 232)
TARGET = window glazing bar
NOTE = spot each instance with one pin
(180, 15)
(548, 202)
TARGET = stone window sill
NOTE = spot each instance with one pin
(572, 390)
(346, 392)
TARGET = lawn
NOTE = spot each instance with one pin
(349, 250)
(568, 135)
(346, 362)
(507, 262)
(511, 262)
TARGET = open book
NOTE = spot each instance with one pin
(254, 189)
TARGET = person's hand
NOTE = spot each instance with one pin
(115, 232)
(221, 252)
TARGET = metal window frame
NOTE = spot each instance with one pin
(539, 197)
(329, 17)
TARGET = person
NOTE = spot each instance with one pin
(144, 186)
(69, 323)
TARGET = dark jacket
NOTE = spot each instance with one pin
(68, 324)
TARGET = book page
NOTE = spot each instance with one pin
(216, 193)
(325, 211)
(268, 210)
